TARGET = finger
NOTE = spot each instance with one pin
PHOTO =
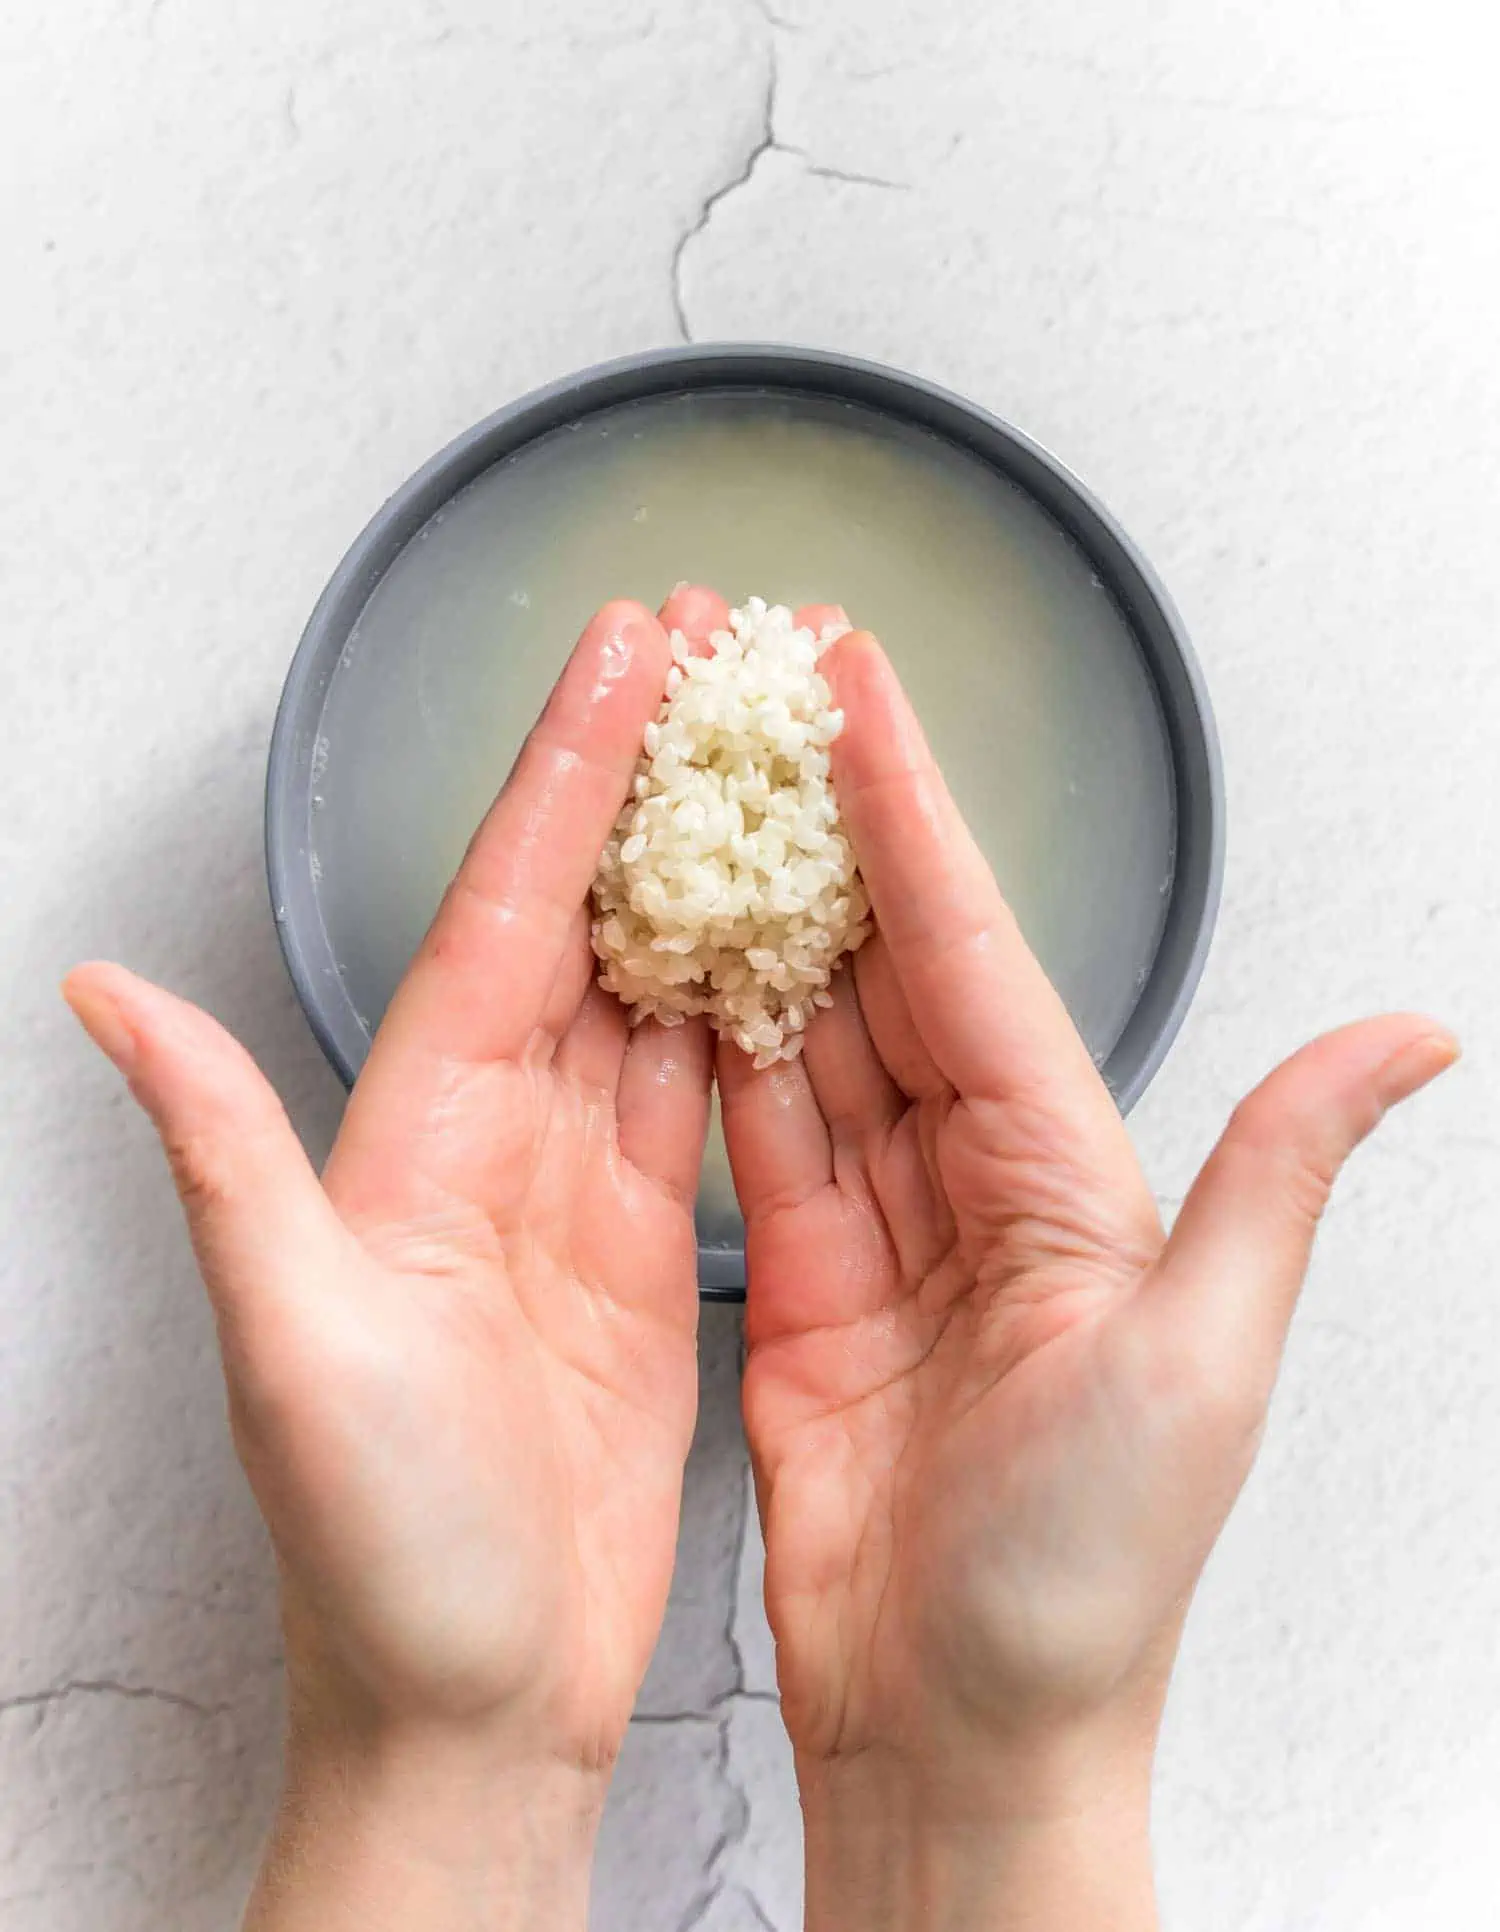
(856, 1096)
(663, 1102)
(591, 1053)
(253, 1204)
(891, 1140)
(892, 1030)
(779, 1149)
(478, 988)
(818, 618)
(573, 978)
(1233, 1267)
(986, 1011)
(697, 613)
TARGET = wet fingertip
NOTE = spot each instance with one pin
(621, 621)
(857, 668)
(696, 611)
(819, 618)
(882, 733)
(854, 647)
(622, 641)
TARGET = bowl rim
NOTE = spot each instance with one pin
(1197, 883)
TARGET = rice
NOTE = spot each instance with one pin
(728, 886)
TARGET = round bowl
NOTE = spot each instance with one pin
(1196, 777)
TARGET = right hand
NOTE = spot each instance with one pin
(462, 1367)
(997, 1418)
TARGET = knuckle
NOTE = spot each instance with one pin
(1297, 1164)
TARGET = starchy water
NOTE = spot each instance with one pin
(1025, 673)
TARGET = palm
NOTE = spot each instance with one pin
(928, 1349)
(491, 1246)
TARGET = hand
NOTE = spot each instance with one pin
(997, 1419)
(462, 1371)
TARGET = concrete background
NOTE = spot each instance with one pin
(1239, 264)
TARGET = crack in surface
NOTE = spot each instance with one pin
(736, 1564)
(717, 1881)
(714, 1882)
(739, 1692)
(778, 23)
(854, 179)
(108, 1687)
(715, 1708)
(702, 1902)
(756, 1909)
(764, 142)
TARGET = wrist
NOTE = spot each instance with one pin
(455, 1829)
(1056, 1841)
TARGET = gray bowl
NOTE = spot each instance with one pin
(1193, 746)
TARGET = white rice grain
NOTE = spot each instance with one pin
(728, 887)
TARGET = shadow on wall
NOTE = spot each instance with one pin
(139, 1748)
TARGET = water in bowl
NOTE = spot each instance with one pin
(1024, 671)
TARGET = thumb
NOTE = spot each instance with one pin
(1244, 1237)
(252, 1201)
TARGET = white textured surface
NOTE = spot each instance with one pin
(1239, 264)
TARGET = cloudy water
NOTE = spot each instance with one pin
(1028, 680)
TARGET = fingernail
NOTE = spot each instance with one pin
(104, 1023)
(1418, 1062)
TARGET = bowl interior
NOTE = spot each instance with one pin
(1048, 667)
